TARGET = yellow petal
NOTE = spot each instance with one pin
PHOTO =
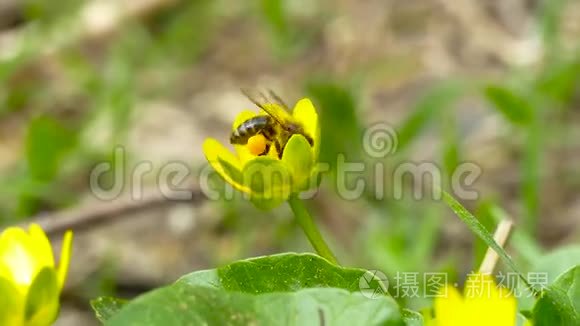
(226, 164)
(17, 257)
(64, 260)
(449, 307)
(273, 153)
(484, 304)
(305, 113)
(244, 154)
(42, 248)
(487, 304)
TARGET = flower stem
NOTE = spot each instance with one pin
(310, 228)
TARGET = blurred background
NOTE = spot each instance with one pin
(495, 83)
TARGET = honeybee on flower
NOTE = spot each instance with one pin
(275, 151)
(276, 126)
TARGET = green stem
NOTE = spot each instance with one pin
(309, 227)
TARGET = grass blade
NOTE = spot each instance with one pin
(478, 229)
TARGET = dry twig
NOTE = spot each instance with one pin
(100, 212)
(500, 236)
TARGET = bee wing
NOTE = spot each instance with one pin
(278, 99)
(273, 106)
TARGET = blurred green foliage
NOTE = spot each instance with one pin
(431, 104)
(47, 142)
(45, 12)
(337, 106)
(289, 38)
(401, 235)
(512, 106)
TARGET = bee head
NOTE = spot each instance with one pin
(297, 129)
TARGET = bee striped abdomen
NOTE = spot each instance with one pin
(251, 127)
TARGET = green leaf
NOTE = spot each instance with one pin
(412, 318)
(107, 307)
(278, 273)
(184, 304)
(554, 308)
(42, 298)
(570, 281)
(557, 303)
(46, 143)
(512, 106)
(550, 265)
(293, 289)
(557, 262)
(478, 229)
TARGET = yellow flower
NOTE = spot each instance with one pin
(483, 304)
(30, 284)
(269, 180)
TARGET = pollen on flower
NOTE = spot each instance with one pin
(257, 144)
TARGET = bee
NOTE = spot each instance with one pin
(277, 125)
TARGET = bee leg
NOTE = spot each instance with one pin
(266, 150)
(279, 148)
